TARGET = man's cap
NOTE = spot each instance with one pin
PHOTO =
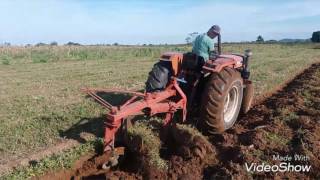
(215, 29)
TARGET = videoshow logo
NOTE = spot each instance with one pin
(283, 166)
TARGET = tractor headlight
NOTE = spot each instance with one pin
(248, 53)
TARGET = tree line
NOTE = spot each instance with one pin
(314, 38)
(190, 38)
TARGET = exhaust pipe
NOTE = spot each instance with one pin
(219, 44)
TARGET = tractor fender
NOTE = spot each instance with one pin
(176, 60)
(223, 61)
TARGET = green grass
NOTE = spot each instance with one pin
(277, 139)
(40, 86)
(23, 55)
(63, 160)
(286, 114)
(190, 129)
(151, 142)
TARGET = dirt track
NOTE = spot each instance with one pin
(285, 124)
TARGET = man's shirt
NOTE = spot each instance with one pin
(202, 46)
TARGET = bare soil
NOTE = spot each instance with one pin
(286, 124)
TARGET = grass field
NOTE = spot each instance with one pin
(40, 86)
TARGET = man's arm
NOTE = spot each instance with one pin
(210, 46)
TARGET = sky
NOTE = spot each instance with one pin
(153, 21)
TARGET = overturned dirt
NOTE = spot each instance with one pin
(283, 129)
(150, 158)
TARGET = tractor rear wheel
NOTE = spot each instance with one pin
(221, 101)
(159, 76)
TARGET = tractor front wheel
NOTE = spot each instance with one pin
(221, 101)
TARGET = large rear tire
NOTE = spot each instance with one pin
(159, 76)
(221, 101)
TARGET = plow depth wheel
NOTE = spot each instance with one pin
(248, 94)
(221, 101)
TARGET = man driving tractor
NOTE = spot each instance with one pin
(204, 44)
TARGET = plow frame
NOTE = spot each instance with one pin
(167, 101)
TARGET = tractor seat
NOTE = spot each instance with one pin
(191, 61)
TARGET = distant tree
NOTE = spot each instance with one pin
(260, 39)
(271, 41)
(116, 44)
(188, 40)
(315, 36)
(7, 44)
(191, 37)
(73, 44)
(53, 43)
(40, 44)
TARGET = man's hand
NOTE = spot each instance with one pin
(213, 55)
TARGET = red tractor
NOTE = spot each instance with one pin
(217, 91)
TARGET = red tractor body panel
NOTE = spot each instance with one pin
(212, 65)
